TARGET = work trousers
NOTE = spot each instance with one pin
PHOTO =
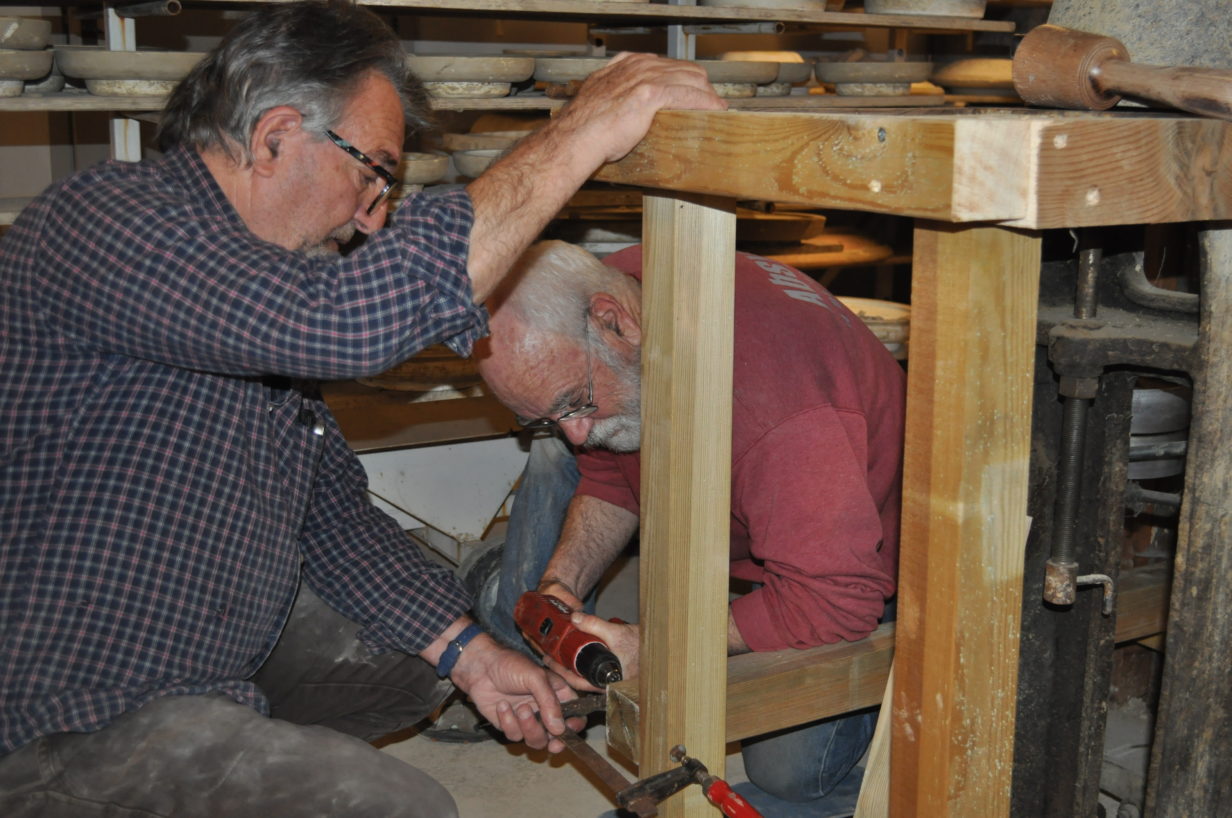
(209, 756)
(800, 764)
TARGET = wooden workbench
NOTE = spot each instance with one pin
(981, 185)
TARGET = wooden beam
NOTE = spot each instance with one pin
(770, 691)
(881, 162)
(687, 307)
(974, 295)
(1096, 169)
(1020, 168)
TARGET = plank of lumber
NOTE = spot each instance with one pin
(964, 528)
(770, 691)
(868, 161)
(688, 304)
(1022, 168)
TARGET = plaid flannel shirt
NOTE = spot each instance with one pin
(161, 494)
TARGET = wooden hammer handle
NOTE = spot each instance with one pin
(1205, 91)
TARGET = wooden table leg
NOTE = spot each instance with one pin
(974, 302)
(687, 298)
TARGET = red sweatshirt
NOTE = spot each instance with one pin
(817, 439)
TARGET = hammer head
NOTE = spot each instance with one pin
(1057, 67)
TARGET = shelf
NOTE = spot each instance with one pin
(525, 102)
(81, 102)
(663, 13)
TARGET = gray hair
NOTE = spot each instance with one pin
(549, 288)
(308, 55)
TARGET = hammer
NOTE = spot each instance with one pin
(1057, 67)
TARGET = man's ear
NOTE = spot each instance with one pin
(614, 318)
(270, 136)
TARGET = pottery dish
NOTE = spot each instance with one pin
(872, 72)
(452, 68)
(478, 141)
(423, 168)
(941, 8)
(473, 163)
(24, 65)
(24, 33)
(565, 69)
(90, 62)
(467, 90)
(740, 71)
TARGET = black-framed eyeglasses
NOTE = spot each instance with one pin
(587, 408)
(391, 181)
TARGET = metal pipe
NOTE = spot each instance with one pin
(1137, 499)
(1144, 293)
(158, 8)
(1061, 578)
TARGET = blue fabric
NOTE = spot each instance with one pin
(161, 492)
(803, 769)
(539, 507)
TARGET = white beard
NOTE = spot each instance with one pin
(619, 433)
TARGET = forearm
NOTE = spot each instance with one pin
(518, 195)
(593, 536)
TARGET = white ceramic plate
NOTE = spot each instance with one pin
(95, 63)
(451, 68)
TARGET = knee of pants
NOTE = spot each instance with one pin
(207, 756)
(806, 763)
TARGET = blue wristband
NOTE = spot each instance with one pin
(449, 657)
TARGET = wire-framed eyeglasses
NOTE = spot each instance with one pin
(587, 408)
(391, 181)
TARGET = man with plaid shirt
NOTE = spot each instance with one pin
(186, 545)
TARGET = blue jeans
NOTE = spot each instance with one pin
(801, 764)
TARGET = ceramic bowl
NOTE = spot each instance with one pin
(95, 63)
(24, 33)
(453, 68)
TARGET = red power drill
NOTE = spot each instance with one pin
(546, 622)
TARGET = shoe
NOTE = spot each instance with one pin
(459, 723)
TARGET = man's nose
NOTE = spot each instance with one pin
(369, 223)
(577, 430)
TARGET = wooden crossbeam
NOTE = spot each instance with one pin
(770, 691)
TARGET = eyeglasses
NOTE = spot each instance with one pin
(587, 408)
(390, 180)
